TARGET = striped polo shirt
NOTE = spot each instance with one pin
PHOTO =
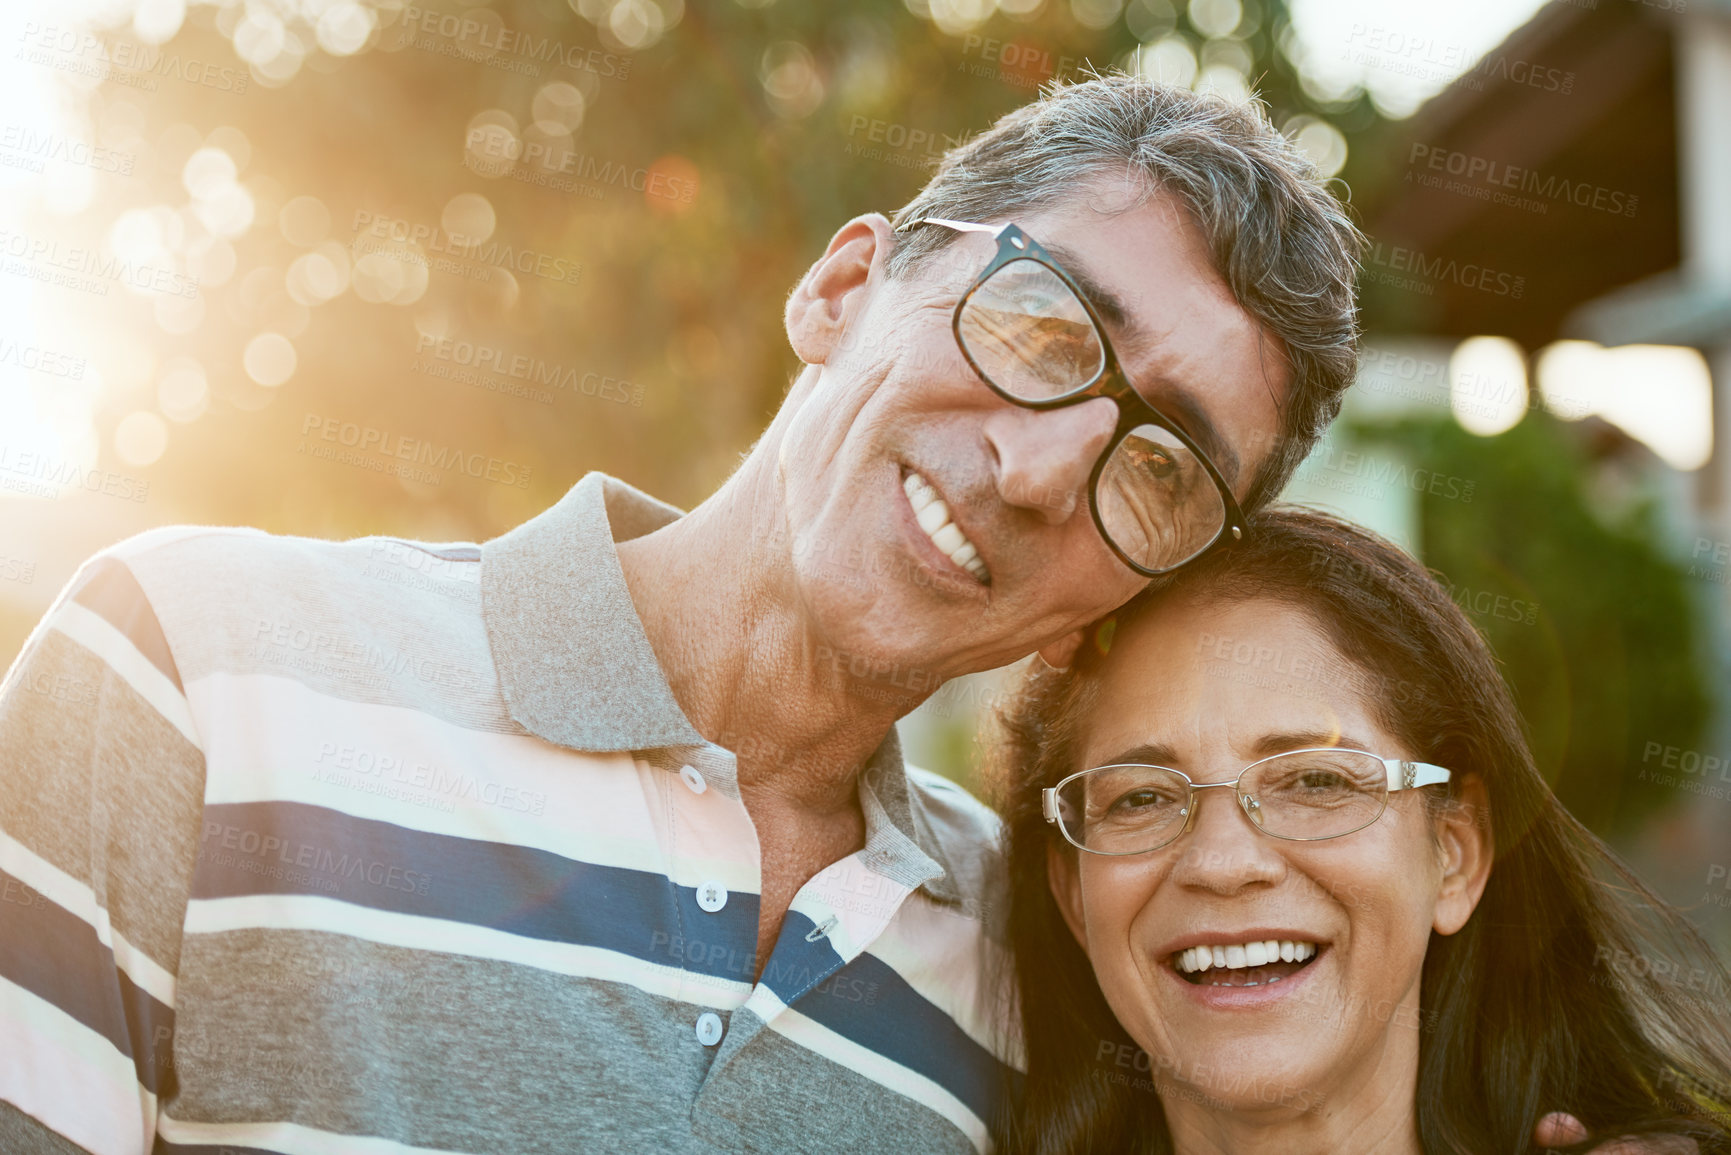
(353, 848)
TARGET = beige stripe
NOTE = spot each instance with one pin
(96, 634)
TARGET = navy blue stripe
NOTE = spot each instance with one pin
(796, 965)
(869, 1003)
(56, 956)
(292, 848)
(111, 591)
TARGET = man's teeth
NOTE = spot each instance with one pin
(934, 518)
(1238, 955)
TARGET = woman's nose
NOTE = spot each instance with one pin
(1224, 848)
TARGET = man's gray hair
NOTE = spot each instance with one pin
(1281, 241)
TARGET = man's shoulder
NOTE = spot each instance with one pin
(228, 563)
(230, 597)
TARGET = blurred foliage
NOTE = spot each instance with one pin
(1612, 658)
(789, 117)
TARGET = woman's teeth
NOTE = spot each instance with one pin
(1242, 957)
(934, 518)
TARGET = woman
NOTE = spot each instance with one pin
(1388, 937)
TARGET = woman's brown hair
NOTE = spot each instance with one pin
(1572, 987)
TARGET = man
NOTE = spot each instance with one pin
(597, 836)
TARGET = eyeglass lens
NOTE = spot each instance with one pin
(1029, 335)
(1307, 794)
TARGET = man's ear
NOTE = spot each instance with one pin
(1468, 848)
(1066, 884)
(827, 297)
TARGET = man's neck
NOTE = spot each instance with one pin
(716, 597)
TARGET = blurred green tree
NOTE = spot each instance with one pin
(1611, 659)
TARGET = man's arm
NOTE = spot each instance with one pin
(101, 787)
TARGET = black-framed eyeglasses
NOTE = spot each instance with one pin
(1027, 330)
(1300, 795)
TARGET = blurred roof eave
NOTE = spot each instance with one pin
(1594, 119)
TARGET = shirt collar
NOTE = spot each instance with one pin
(576, 668)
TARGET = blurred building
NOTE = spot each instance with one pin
(1570, 195)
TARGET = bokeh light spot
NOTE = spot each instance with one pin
(269, 359)
(140, 438)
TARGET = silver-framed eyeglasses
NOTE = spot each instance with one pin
(1300, 795)
(1029, 332)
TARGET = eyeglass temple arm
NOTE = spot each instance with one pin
(1049, 803)
(1406, 775)
(959, 226)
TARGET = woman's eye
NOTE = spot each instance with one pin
(1140, 800)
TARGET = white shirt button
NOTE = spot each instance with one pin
(711, 896)
(693, 779)
(709, 1028)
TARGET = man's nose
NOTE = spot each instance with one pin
(1044, 458)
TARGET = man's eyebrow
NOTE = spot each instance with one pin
(1127, 335)
(1106, 303)
(1177, 403)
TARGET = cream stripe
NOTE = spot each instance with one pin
(77, 898)
(942, 954)
(331, 916)
(288, 1138)
(70, 1078)
(819, 1039)
(274, 739)
(96, 634)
